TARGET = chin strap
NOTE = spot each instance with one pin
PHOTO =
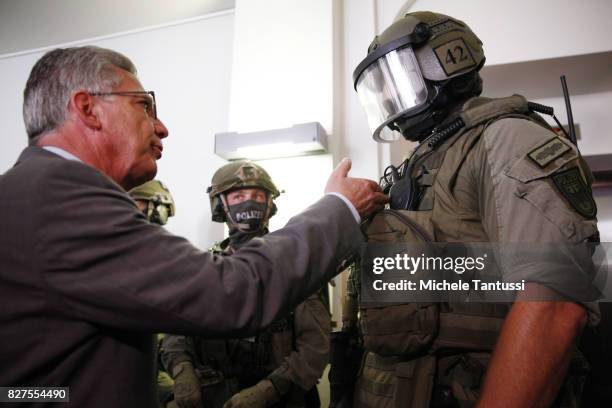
(228, 216)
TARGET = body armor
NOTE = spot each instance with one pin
(435, 354)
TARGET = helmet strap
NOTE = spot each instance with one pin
(269, 208)
(228, 216)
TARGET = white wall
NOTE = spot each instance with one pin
(282, 73)
(32, 24)
(188, 65)
(301, 179)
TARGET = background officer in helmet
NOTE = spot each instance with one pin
(157, 204)
(154, 200)
(279, 366)
(485, 170)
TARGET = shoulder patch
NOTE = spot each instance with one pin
(549, 151)
(454, 56)
(575, 190)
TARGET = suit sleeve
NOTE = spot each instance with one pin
(112, 268)
(304, 365)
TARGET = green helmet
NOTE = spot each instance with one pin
(239, 174)
(416, 69)
(160, 204)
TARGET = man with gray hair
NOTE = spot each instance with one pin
(86, 280)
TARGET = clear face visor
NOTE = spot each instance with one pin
(389, 88)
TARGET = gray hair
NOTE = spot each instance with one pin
(58, 74)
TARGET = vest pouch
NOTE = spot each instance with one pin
(401, 226)
(401, 330)
(415, 381)
(426, 196)
(390, 382)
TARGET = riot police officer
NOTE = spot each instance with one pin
(484, 170)
(279, 366)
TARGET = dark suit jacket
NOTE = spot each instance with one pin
(85, 281)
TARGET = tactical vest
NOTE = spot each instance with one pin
(248, 360)
(413, 329)
(226, 366)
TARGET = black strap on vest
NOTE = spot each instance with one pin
(402, 188)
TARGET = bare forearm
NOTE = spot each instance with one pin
(532, 354)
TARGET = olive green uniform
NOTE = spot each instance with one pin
(492, 181)
(292, 353)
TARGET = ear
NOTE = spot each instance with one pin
(82, 106)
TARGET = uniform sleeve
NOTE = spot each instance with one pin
(304, 365)
(536, 202)
(175, 349)
(108, 266)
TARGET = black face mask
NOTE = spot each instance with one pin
(248, 216)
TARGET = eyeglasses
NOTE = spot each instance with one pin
(150, 104)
